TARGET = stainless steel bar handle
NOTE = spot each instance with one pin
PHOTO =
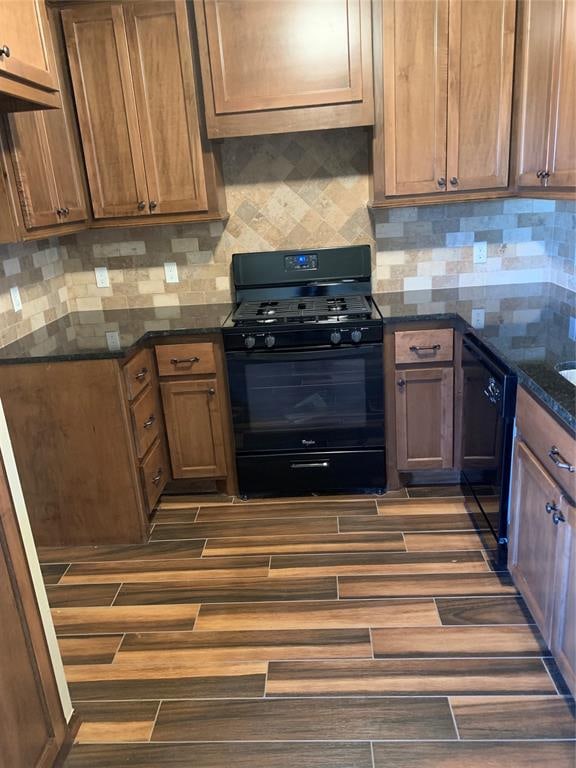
(149, 421)
(141, 374)
(433, 348)
(311, 465)
(184, 360)
(559, 460)
(156, 478)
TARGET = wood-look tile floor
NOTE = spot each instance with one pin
(339, 633)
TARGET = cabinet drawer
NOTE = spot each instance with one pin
(155, 473)
(424, 346)
(185, 359)
(146, 418)
(543, 434)
(138, 373)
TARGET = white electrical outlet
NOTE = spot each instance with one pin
(102, 277)
(171, 272)
(113, 341)
(16, 300)
(478, 318)
(480, 253)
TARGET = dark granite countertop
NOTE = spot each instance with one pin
(112, 333)
(528, 326)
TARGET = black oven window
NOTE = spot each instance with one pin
(306, 394)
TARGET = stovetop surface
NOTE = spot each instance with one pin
(304, 310)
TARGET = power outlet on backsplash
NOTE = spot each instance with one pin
(16, 300)
(478, 318)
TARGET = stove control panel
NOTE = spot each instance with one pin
(315, 336)
(301, 261)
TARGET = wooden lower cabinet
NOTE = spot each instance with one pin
(542, 549)
(194, 428)
(563, 635)
(425, 418)
(533, 535)
(32, 724)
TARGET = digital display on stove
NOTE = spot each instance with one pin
(301, 261)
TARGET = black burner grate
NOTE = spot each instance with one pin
(303, 310)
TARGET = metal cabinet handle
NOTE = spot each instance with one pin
(66, 211)
(558, 517)
(141, 205)
(141, 374)
(149, 421)
(433, 348)
(401, 383)
(60, 211)
(211, 391)
(454, 181)
(442, 182)
(559, 460)
(311, 465)
(184, 360)
(551, 507)
(152, 205)
(158, 475)
(5, 51)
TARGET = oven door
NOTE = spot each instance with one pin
(302, 400)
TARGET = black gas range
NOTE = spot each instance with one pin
(304, 354)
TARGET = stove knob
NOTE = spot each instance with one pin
(269, 341)
(335, 337)
(356, 336)
(249, 342)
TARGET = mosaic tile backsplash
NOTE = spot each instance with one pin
(290, 191)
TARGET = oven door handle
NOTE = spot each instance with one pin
(296, 355)
(310, 465)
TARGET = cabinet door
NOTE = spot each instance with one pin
(538, 34)
(285, 65)
(533, 535)
(415, 43)
(481, 61)
(161, 59)
(32, 724)
(23, 31)
(425, 418)
(194, 428)
(8, 217)
(563, 644)
(33, 169)
(562, 139)
(102, 83)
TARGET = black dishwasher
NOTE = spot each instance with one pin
(489, 404)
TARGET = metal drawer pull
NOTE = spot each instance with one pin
(558, 517)
(156, 478)
(149, 421)
(211, 391)
(433, 348)
(141, 374)
(559, 460)
(401, 383)
(551, 507)
(311, 465)
(5, 51)
(184, 360)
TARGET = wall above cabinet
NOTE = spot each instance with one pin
(278, 66)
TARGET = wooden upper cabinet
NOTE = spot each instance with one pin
(134, 84)
(546, 114)
(443, 84)
(415, 40)
(167, 105)
(103, 90)
(481, 61)
(9, 220)
(274, 66)
(26, 58)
